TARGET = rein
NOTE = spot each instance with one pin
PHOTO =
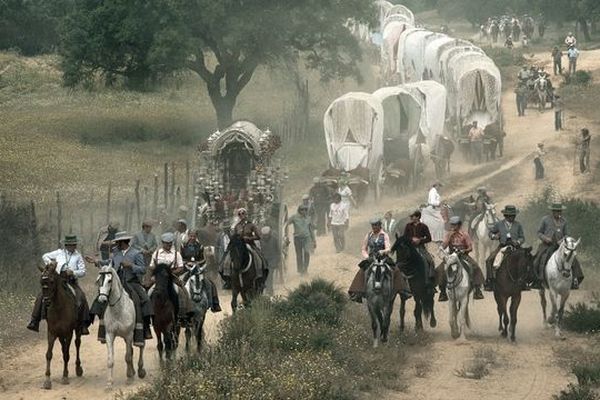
(453, 283)
(110, 291)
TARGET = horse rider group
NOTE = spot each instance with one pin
(508, 232)
(134, 258)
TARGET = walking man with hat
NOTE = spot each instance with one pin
(130, 267)
(509, 233)
(553, 229)
(69, 261)
(145, 242)
(304, 238)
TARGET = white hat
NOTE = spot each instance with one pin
(182, 221)
(265, 230)
(305, 197)
(121, 236)
(167, 237)
(455, 220)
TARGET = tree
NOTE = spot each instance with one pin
(222, 41)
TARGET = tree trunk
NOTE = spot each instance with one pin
(223, 107)
(584, 28)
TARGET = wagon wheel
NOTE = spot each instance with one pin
(283, 244)
(379, 180)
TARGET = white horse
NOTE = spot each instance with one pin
(119, 320)
(198, 288)
(481, 225)
(380, 299)
(558, 279)
(459, 293)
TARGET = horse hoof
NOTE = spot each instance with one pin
(513, 339)
(78, 371)
(141, 373)
(108, 387)
(503, 334)
(432, 323)
(47, 385)
(65, 380)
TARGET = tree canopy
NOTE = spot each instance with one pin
(222, 41)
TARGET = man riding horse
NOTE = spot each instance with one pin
(510, 234)
(130, 267)
(459, 241)
(376, 244)
(553, 229)
(418, 233)
(69, 261)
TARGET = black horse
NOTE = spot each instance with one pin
(414, 266)
(244, 276)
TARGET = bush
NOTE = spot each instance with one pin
(504, 57)
(293, 348)
(576, 392)
(580, 77)
(583, 318)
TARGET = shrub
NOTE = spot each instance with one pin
(576, 392)
(504, 57)
(319, 300)
(580, 77)
(583, 318)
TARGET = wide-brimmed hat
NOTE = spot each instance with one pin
(557, 207)
(509, 210)
(375, 221)
(305, 197)
(122, 236)
(167, 237)
(70, 239)
(182, 221)
(265, 230)
(455, 220)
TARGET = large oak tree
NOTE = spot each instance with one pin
(222, 41)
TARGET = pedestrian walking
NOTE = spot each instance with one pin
(521, 99)
(557, 55)
(538, 160)
(558, 110)
(572, 54)
(584, 151)
(304, 238)
(338, 222)
(476, 139)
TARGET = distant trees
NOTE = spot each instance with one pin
(222, 41)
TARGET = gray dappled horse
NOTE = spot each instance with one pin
(118, 320)
(541, 89)
(558, 276)
(459, 294)
(199, 290)
(380, 296)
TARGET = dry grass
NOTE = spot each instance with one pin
(484, 358)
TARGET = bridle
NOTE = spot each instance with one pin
(102, 276)
(381, 271)
(454, 278)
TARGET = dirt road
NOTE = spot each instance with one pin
(525, 370)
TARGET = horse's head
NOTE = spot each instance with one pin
(194, 285)
(568, 249)
(379, 272)
(104, 282)
(490, 213)
(49, 282)
(451, 264)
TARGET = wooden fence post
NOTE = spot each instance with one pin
(166, 192)
(126, 222)
(108, 200)
(145, 203)
(59, 218)
(138, 206)
(173, 205)
(155, 198)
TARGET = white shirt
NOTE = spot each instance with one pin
(65, 260)
(346, 194)
(388, 226)
(167, 257)
(338, 212)
(434, 198)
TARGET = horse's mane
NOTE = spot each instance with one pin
(414, 258)
(171, 293)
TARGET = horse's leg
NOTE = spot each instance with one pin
(561, 311)
(387, 313)
(51, 339)
(129, 360)
(159, 344)
(110, 351)
(418, 313)
(514, 307)
(452, 318)
(141, 370)
(66, 344)
(199, 330)
(554, 306)
(431, 301)
(188, 334)
(543, 304)
(234, 296)
(78, 369)
(374, 326)
(402, 312)
(462, 318)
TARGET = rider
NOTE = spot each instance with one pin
(419, 235)
(553, 229)
(457, 240)
(570, 40)
(130, 267)
(69, 261)
(376, 243)
(249, 234)
(192, 249)
(509, 233)
(482, 198)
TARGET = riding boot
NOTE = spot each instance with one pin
(478, 295)
(443, 295)
(147, 330)
(216, 306)
(36, 315)
(575, 284)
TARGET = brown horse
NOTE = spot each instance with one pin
(166, 309)
(243, 273)
(61, 316)
(510, 280)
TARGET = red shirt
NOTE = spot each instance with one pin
(458, 240)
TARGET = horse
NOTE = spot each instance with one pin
(443, 151)
(62, 320)
(243, 273)
(459, 293)
(165, 303)
(380, 296)
(557, 280)
(119, 321)
(481, 227)
(198, 289)
(541, 89)
(414, 266)
(511, 276)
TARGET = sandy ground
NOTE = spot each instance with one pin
(524, 370)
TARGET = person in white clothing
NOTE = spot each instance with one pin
(346, 193)
(431, 214)
(338, 221)
(66, 261)
(389, 223)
